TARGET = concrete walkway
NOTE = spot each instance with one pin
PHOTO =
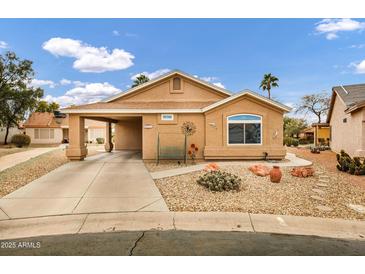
(14, 159)
(106, 182)
(188, 221)
(292, 161)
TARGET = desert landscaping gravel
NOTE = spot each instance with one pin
(292, 196)
(168, 164)
(15, 177)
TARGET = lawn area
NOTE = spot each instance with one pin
(292, 196)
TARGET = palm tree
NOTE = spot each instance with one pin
(269, 82)
(141, 79)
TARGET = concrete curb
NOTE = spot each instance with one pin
(294, 161)
(189, 221)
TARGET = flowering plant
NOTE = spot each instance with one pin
(192, 152)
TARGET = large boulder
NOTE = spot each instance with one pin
(260, 170)
(302, 171)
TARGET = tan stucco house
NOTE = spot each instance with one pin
(53, 128)
(148, 118)
(346, 117)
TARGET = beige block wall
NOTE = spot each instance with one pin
(217, 146)
(348, 136)
(58, 136)
(128, 135)
(170, 134)
(12, 131)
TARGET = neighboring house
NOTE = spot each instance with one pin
(307, 134)
(53, 128)
(149, 117)
(322, 134)
(318, 133)
(346, 117)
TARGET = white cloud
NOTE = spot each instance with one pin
(65, 82)
(331, 36)
(359, 46)
(358, 66)
(89, 58)
(219, 84)
(212, 79)
(88, 93)
(40, 83)
(330, 27)
(3, 45)
(151, 75)
(209, 78)
(116, 33)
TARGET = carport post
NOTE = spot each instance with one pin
(108, 137)
(76, 150)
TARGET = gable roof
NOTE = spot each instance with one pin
(352, 96)
(250, 93)
(41, 120)
(164, 76)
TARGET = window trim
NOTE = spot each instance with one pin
(169, 120)
(244, 122)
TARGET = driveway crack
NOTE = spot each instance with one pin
(135, 244)
(253, 228)
(92, 181)
(5, 213)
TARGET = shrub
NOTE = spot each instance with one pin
(100, 140)
(20, 140)
(346, 164)
(290, 141)
(219, 181)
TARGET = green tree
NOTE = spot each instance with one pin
(44, 106)
(269, 82)
(141, 79)
(17, 97)
(293, 126)
(317, 104)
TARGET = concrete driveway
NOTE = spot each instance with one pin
(107, 182)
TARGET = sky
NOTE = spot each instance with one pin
(85, 60)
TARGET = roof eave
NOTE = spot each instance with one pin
(285, 108)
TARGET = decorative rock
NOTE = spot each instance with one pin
(357, 208)
(324, 208)
(319, 191)
(260, 170)
(302, 171)
(318, 198)
(321, 185)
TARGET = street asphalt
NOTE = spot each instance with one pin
(187, 243)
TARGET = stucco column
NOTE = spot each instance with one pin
(108, 137)
(76, 150)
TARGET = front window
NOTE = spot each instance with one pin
(244, 129)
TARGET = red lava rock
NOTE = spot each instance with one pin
(302, 171)
(260, 170)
